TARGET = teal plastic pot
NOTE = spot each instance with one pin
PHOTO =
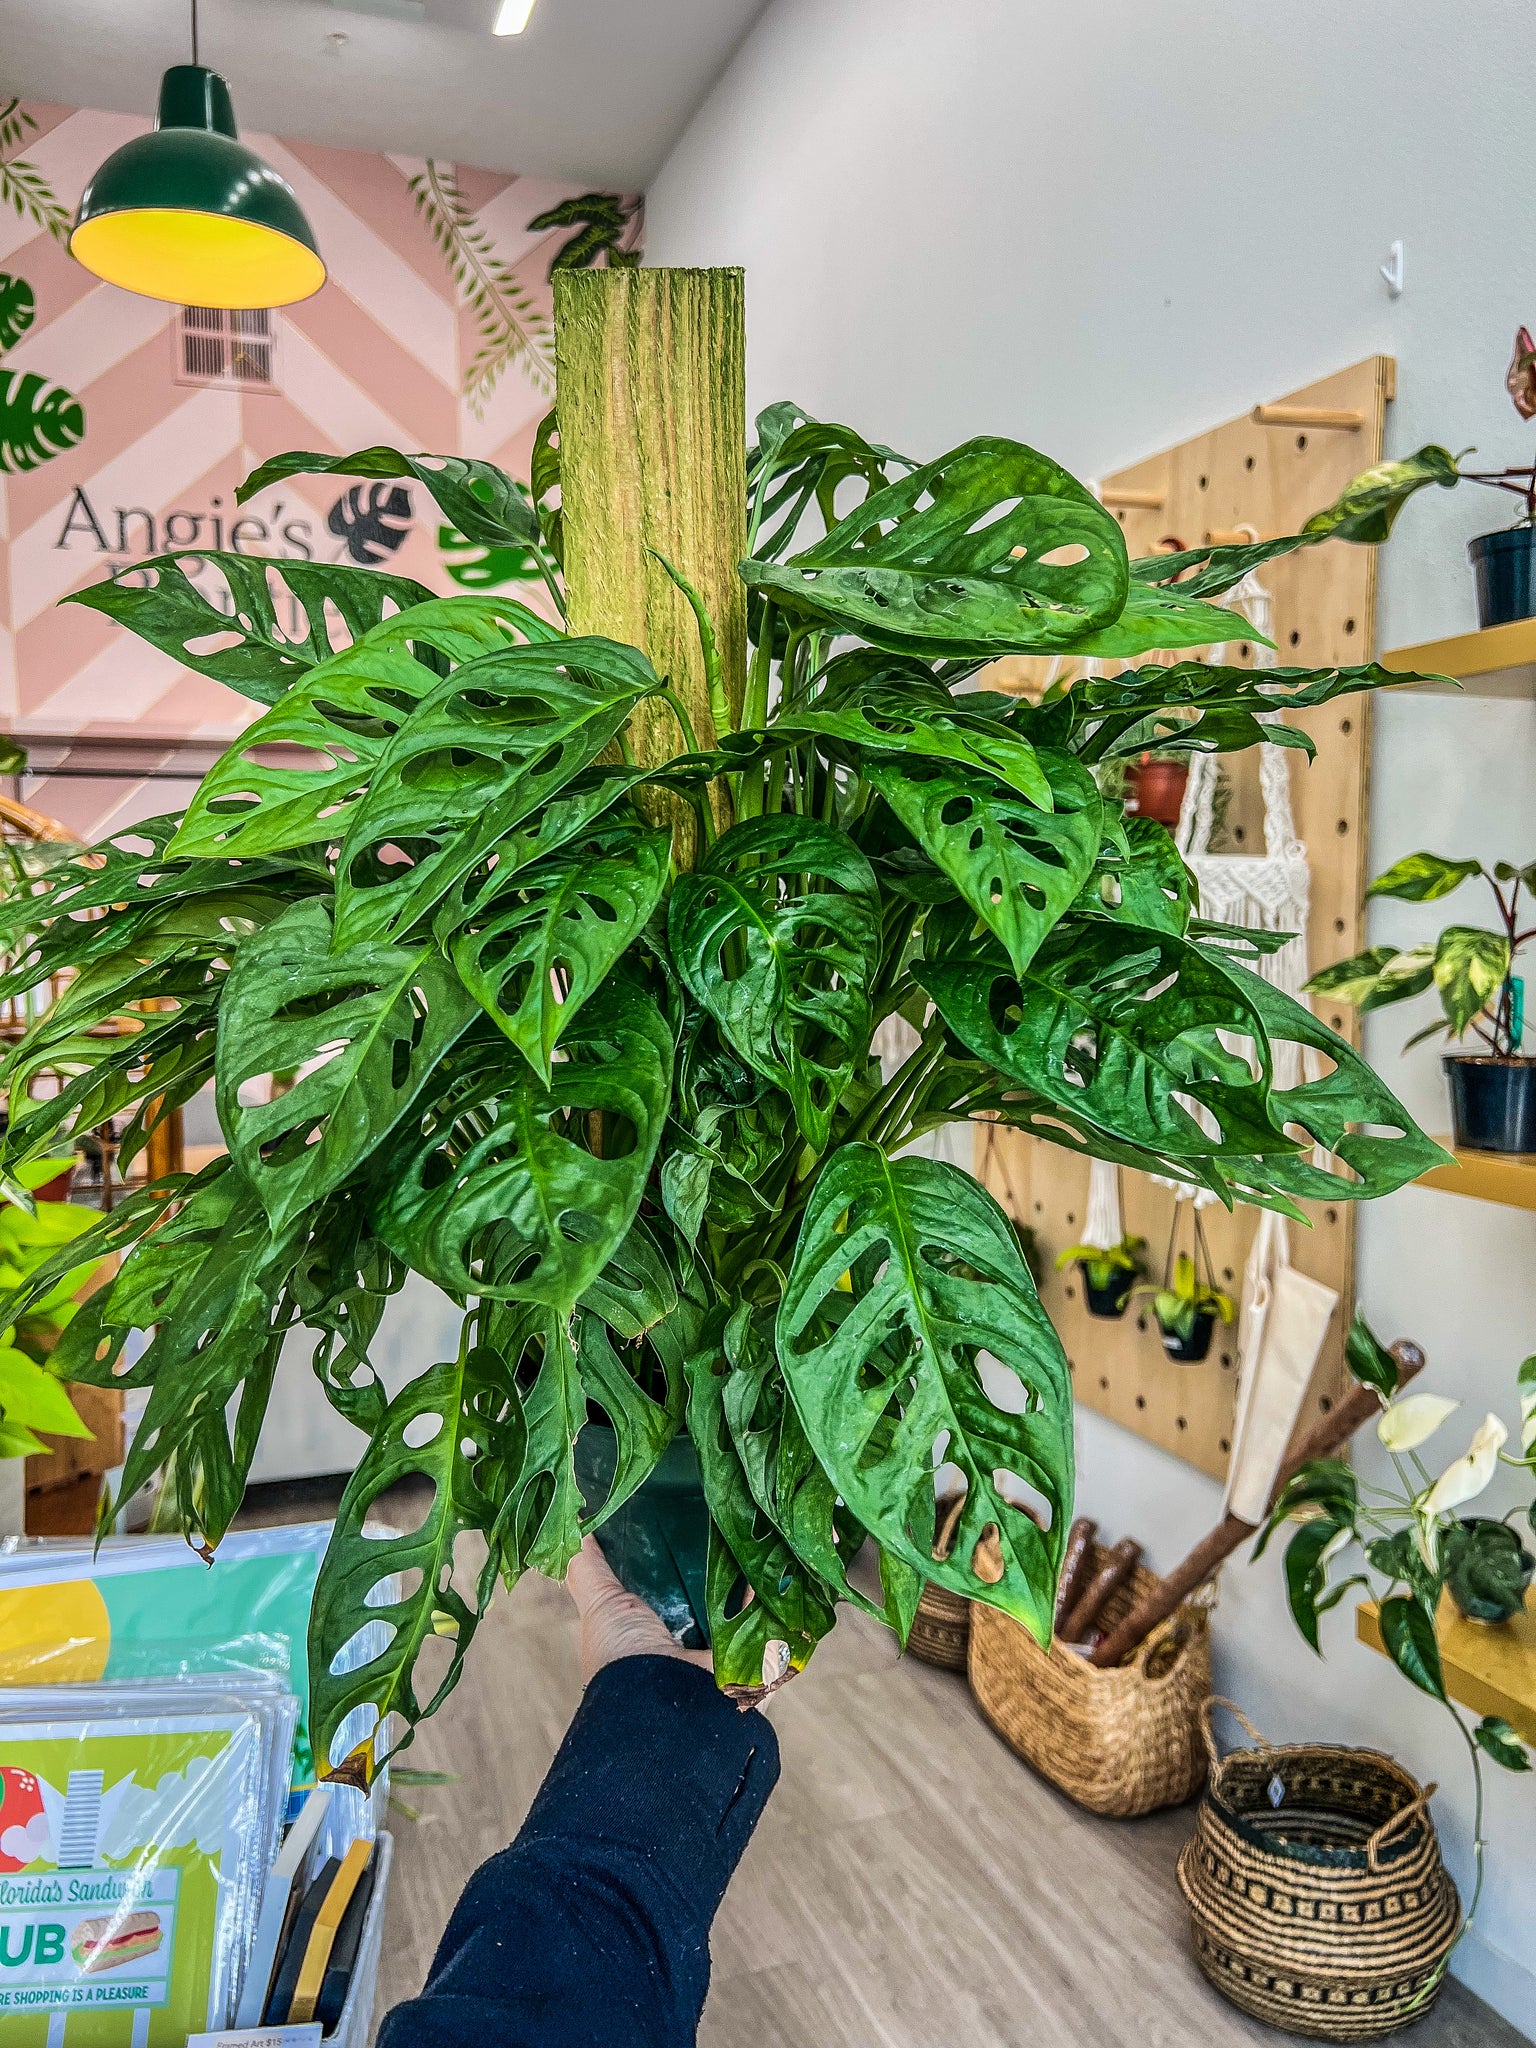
(658, 1542)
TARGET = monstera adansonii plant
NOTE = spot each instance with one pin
(472, 1012)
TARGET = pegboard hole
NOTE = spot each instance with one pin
(1070, 1217)
(1331, 1215)
(1039, 1208)
(1301, 440)
(1346, 725)
(1247, 462)
(1227, 1273)
(1338, 924)
(1245, 650)
(1141, 1400)
(1225, 1446)
(1203, 482)
(1337, 1023)
(1226, 1361)
(1349, 625)
(1342, 827)
(1238, 832)
(1295, 639)
(1325, 1402)
(1070, 1292)
(1103, 1386)
(1121, 517)
(1179, 1422)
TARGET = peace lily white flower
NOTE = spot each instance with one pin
(1406, 1423)
(1465, 1477)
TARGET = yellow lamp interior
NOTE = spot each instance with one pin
(197, 259)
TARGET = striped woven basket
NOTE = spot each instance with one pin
(941, 1627)
(1319, 1900)
(1120, 1741)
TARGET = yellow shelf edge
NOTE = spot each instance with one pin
(1499, 661)
(1489, 1667)
(1507, 1177)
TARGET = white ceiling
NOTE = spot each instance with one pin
(593, 89)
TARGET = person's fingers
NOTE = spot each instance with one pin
(615, 1623)
(589, 1575)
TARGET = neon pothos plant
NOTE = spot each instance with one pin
(626, 1113)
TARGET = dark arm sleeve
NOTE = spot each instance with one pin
(592, 1930)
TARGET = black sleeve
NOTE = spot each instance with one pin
(592, 1930)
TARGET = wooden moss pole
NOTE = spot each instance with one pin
(650, 369)
(1324, 1440)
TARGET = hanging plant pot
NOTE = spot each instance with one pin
(1487, 1568)
(1493, 1102)
(1191, 1349)
(1155, 789)
(1504, 565)
(658, 1542)
(1111, 1300)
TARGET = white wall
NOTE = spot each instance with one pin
(1101, 228)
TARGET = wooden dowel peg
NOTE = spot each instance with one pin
(1231, 537)
(1142, 501)
(1308, 416)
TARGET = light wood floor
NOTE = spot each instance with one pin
(911, 1885)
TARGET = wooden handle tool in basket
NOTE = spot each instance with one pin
(1075, 1563)
(1116, 1568)
(1323, 1440)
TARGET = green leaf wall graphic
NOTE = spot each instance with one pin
(38, 420)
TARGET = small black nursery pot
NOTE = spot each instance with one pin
(1110, 1301)
(1504, 564)
(1493, 1102)
(658, 1542)
(1191, 1349)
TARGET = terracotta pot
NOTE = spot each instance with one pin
(1156, 790)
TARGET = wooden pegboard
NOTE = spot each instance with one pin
(1268, 470)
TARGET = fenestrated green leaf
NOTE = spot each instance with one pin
(878, 704)
(1409, 1636)
(796, 459)
(637, 1289)
(784, 965)
(1367, 507)
(789, 1604)
(346, 710)
(379, 1017)
(963, 558)
(936, 1277)
(1147, 885)
(1119, 706)
(482, 501)
(280, 624)
(498, 1190)
(38, 420)
(1079, 1028)
(1151, 619)
(1018, 867)
(485, 750)
(642, 1426)
(1208, 571)
(459, 1426)
(545, 942)
(1469, 970)
(1423, 877)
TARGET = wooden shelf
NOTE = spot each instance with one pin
(1499, 662)
(1507, 1177)
(1489, 1668)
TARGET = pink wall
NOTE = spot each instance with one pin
(379, 354)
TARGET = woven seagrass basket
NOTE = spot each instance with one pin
(1314, 1880)
(941, 1627)
(1121, 1741)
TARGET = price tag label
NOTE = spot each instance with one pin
(260, 2037)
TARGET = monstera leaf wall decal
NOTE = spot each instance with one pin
(38, 419)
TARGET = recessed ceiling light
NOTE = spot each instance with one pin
(512, 17)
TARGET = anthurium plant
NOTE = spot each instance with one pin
(584, 1036)
(1470, 967)
(1405, 1543)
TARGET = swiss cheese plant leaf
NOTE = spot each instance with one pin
(1114, 709)
(280, 621)
(1153, 618)
(879, 706)
(904, 1272)
(1146, 884)
(38, 420)
(345, 710)
(788, 1603)
(364, 1028)
(1017, 867)
(481, 500)
(1079, 1029)
(642, 1426)
(543, 1530)
(1208, 571)
(1367, 508)
(777, 934)
(501, 1187)
(796, 460)
(485, 749)
(993, 549)
(459, 1427)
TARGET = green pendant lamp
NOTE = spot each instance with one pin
(189, 214)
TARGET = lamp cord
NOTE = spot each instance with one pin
(194, 31)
